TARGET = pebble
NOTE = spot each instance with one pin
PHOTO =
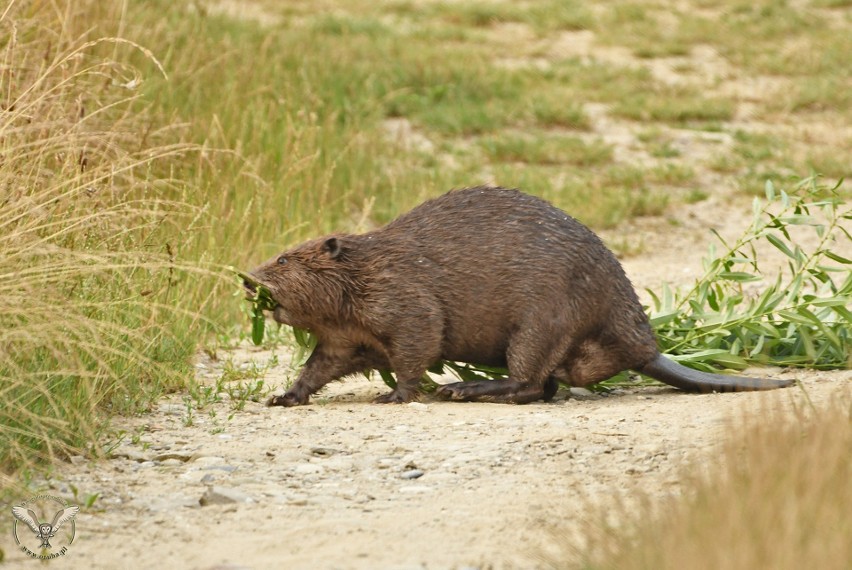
(130, 454)
(77, 459)
(180, 457)
(418, 406)
(215, 495)
(412, 474)
(324, 451)
(225, 468)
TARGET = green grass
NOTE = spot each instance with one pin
(95, 314)
(136, 167)
(674, 106)
(548, 149)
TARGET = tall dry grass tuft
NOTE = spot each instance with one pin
(89, 264)
(780, 497)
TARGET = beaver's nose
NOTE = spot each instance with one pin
(250, 288)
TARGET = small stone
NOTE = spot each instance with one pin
(223, 496)
(412, 474)
(130, 454)
(581, 392)
(171, 462)
(225, 468)
(418, 406)
(179, 456)
(77, 459)
(324, 451)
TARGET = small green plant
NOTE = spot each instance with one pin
(188, 420)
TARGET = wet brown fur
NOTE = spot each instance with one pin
(482, 275)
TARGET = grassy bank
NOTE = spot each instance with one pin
(91, 318)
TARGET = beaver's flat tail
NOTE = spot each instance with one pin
(679, 376)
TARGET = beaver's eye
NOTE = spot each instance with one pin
(282, 260)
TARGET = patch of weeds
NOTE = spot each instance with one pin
(671, 173)
(649, 31)
(819, 95)
(251, 370)
(753, 181)
(775, 38)
(834, 163)
(544, 16)
(245, 383)
(664, 150)
(547, 149)
(671, 48)
(726, 163)
(601, 81)
(624, 248)
(833, 3)
(250, 390)
(696, 195)
(672, 105)
(558, 111)
(218, 426)
(756, 147)
(86, 502)
(240, 383)
(465, 97)
(554, 15)
(343, 25)
(188, 419)
(477, 14)
(658, 144)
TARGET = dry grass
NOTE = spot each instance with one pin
(89, 267)
(779, 496)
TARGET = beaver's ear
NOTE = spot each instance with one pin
(333, 247)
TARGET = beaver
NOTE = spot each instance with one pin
(482, 275)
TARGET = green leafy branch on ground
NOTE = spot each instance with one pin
(802, 318)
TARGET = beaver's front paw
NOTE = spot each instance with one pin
(287, 400)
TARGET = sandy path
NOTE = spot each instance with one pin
(334, 485)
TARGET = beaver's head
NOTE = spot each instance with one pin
(312, 285)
